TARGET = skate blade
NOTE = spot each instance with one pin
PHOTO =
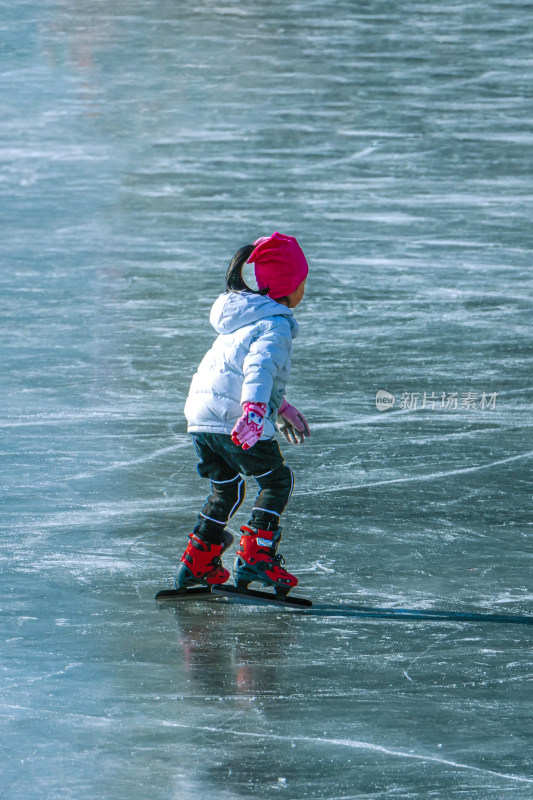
(253, 597)
(178, 595)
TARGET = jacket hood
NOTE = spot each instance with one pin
(233, 310)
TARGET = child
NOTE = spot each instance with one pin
(236, 398)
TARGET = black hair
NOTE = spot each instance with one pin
(234, 280)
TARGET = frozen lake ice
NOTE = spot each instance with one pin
(141, 144)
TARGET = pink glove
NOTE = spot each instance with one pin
(249, 428)
(292, 424)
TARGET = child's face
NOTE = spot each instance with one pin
(296, 296)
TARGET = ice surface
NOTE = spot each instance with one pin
(141, 144)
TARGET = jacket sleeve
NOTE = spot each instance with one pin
(269, 352)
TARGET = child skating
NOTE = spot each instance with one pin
(236, 403)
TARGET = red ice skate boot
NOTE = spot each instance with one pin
(201, 562)
(257, 561)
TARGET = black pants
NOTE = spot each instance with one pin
(225, 464)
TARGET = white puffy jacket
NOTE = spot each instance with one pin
(249, 360)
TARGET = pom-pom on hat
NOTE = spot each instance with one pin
(280, 264)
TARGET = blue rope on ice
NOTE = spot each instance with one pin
(334, 610)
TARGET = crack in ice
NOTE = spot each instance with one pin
(357, 745)
(424, 477)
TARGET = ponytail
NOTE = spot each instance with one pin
(234, 280)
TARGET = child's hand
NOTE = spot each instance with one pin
(292, 424)
(249, 428)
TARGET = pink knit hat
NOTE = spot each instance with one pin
(280, 264)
